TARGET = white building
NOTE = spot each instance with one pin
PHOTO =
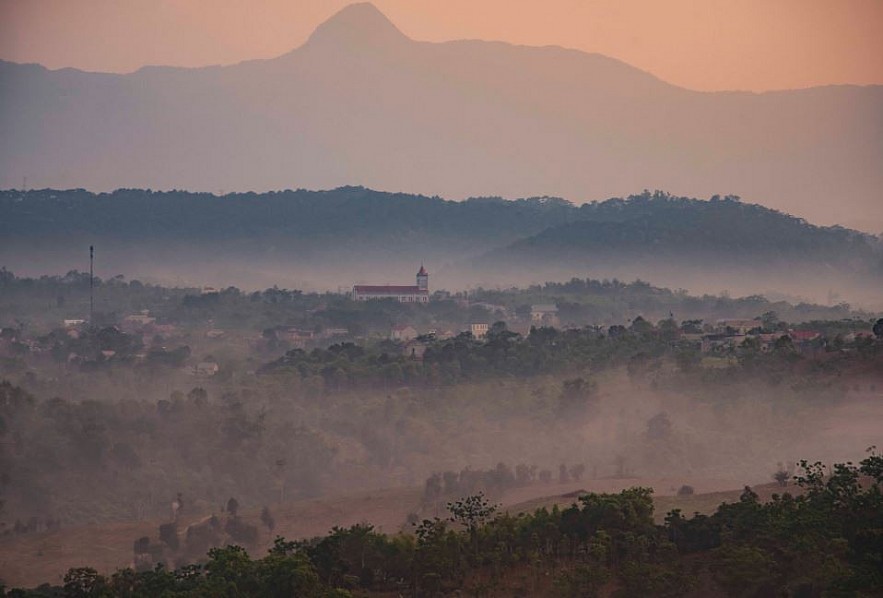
(478, 330)
(405, 294)
(544, 315)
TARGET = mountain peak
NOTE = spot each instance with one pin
(357, 24)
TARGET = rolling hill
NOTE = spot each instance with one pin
(717, 244)
(331, 239)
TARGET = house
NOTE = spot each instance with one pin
(214, 333)
(478, 330)
(768, 341)
(292, 333)
(296, 337)
(205, 369)
(73, 323)
(135, 322)
(544, 315)
(418, 293)
(803, 336)
(403, 333)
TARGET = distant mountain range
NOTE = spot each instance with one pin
(360, 103)
(331, 239)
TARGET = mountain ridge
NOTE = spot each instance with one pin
(353, 234)
(366, 19)
(456, 119)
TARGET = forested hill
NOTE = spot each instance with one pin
(335, 215)
(722, 241)
(656, 218)
(354, 233)
(649, 224)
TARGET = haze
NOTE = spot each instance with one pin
(360, 103)
(714, 45)
(383, 270)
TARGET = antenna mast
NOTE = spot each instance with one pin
(91, 286)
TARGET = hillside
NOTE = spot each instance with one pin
(361, 103)
(699, 245)
(332, 239)
(31, 559)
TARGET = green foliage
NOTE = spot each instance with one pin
(824, 542)
(471, 512)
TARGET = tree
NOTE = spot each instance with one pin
(577, 395)
(577, 471)
(267, 518)
(770, 321)
(198, 396)
(472, 511)
(85, 582)
(782, 475)
(641, 326)
(659, 426)
(878, 328)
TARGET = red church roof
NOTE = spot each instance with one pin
(803, 335)
(389, 290)
(422, 271)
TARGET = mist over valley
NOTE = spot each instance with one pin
(386, 317)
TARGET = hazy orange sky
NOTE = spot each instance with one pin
(699, 44)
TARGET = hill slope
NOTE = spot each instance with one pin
(360, 103)
(331, 239)
(694, 244)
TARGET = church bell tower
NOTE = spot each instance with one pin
(423, 279)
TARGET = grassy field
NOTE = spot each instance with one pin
(28, 560)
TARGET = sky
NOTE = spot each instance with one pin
(705, 45)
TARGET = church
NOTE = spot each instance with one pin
(404, 294)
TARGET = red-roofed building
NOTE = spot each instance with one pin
(405, 294)
(802, 336)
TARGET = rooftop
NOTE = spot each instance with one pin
(390, 290)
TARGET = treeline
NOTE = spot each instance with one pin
(640, 347)
(92, 461)
(462, 358)
(612, 300)
(826, 541)
(43, 302)
(493, 482)
(299, 216)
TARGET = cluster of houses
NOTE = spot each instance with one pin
(145, 325)
(728, 335)
(140, 325)
(722, 338)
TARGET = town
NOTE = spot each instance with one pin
(190, 329)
